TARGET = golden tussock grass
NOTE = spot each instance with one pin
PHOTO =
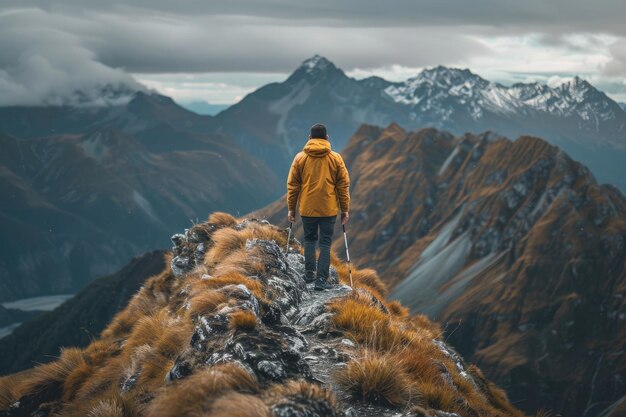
(225, 242)
(234, 404)
(148, 330)
(420, 321)
(439, 396)
(44, 376)
(240, 262)
(104, 378)
(377, 378)
(419, 364)
(231, 278)
(194, 395)
(242, 320)
(367, 324)
(265, 232)
(111, 403)
(222, 219)
(206, 302)
(369, 278)
(10, 391)
(174, 338)
(106, 408)
(300, 389)
(99, 351)
(397, 309)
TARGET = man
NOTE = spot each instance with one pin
(319, 184)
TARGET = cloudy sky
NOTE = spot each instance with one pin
(220, 50)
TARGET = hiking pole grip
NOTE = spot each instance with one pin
(345, 241)
(288, 239)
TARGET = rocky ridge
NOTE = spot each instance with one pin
(512, 243)
(231, 329)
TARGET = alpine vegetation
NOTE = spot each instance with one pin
(230, 328)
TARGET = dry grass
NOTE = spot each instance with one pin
(206, 302)
(367, 325)
(397, 309)
(438, 396)
(231, 278)
(242, 320)
(377, 378)
(225, 242)
(300, 389)
(222, 219)
(194, 396)
(239, 405)
(369, 278)
(9, 391)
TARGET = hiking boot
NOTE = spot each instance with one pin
(321, 284)
(309, 276)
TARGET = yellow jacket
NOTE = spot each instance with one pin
(319, 181)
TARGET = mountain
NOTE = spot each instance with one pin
(202, 107)
(78, 204)
(511, 243)
(273, 121)
(623, 105)
(230, 328)
(81, 318)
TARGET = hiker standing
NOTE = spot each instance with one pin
(319, 184)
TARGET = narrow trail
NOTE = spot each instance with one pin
(327, 349)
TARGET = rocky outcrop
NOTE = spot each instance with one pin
(230, 328)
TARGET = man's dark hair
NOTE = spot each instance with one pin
(318, 131)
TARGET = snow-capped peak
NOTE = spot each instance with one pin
(315, 69)
(316, 62)
(445, 76)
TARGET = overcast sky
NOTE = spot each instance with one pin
(220, 50)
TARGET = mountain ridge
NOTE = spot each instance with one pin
(234, 330)
(475, 230)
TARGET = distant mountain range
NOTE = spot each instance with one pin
(85, 188)
(273, 121)
(511, 243)
(202, 107)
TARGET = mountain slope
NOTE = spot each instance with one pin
(237, 332)
(77, 321)
(274, 120)
(513, 241)
(77, 206)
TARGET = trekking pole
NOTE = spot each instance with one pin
(345, 240)
(288, 239)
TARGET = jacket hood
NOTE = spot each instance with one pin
(317, 147)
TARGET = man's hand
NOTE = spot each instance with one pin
(345, 217)
(291, 216)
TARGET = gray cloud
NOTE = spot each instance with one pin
(604, 15)
(49, 49)
(44, 65)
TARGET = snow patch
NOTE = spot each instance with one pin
(448, 160)
(441, 240)
(421, 288)
(284, 105)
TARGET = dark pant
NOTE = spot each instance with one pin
(326, 226)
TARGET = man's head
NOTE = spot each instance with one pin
(318, 130)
